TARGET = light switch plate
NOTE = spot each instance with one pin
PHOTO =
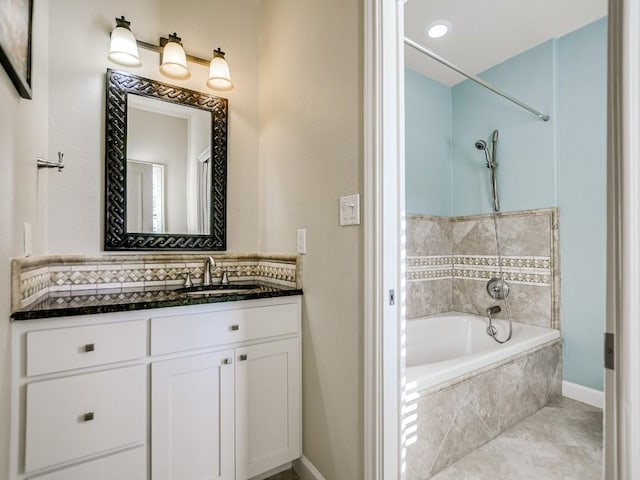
(350, 210)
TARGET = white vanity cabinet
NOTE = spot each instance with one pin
(192, 411)
(267, 386)
(197, 392)
(235, 412)
(79, 398)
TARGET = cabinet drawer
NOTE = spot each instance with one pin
(63, 349)
(129, 465)
(69, 418)
(186, 332)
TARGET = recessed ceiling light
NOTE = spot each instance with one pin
(437, 29)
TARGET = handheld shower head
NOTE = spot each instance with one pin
(491, 165)
(482, 145)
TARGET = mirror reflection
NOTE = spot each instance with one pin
(168, 167)
(165, 166)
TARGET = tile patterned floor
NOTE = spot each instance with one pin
(286, 475)
(562, 441)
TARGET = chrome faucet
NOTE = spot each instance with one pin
(208, 264)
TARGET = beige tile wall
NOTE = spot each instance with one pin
(450, 260)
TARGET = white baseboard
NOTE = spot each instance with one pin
(583, 394)
(306, 470)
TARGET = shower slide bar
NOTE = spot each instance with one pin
(478, 80)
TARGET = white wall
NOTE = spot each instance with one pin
(78, 64)
(311, 93)
(23, 137)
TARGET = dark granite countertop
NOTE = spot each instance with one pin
(90, 302)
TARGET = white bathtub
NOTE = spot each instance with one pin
(447, 346)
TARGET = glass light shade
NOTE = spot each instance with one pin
(219, 76)
(124, 49)
(174, 62)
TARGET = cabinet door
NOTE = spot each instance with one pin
(192, 423)
(267, 406)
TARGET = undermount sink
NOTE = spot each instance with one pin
(228, 289)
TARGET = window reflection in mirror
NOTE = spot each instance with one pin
(168, 167)
(145, 197)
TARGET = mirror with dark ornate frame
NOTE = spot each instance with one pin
(165, 166)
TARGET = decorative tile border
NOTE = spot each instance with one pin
(508, 262)
(521, 270)
(33, 278)
(463, 250)
(430, 274)
(429, 261)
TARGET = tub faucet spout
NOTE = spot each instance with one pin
(493, 331)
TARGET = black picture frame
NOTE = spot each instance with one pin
(116, 237)
(15, 53)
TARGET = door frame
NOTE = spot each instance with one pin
(384, 209)
(622, 385)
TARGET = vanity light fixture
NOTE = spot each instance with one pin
(173, 64)
(219, 76)
(174, 60)
(124, 49)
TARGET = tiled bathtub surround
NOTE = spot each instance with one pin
(32, 278)
(450, 420)
(449, 261)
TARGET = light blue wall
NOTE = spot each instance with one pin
(525, 153)
(557, 163)
(427, 145)
(582, 150)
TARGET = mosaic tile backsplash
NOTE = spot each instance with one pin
(35, 277)
(450, 260)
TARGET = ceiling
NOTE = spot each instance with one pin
(487, 32)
